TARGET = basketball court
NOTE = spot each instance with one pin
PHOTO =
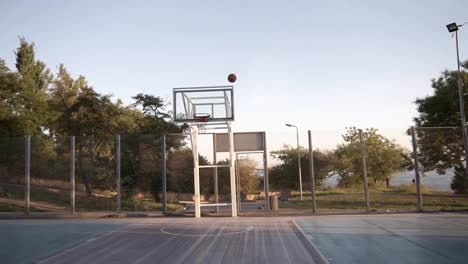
(405, 238)
(209, 111)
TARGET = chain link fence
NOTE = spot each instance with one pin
(12, 174)
(141, 173)
(49, 173)
(95, 174)
(353, 170)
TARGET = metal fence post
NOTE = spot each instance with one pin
(266, 179)
(416, 168)
(238, 175)
(164, 172)
(117, 172)
(27, 174)
(215, 174)
(72, 174)
(364, 169)
(312, 173)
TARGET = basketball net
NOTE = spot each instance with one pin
(201, 127)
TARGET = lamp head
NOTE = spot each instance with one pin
(452, 27)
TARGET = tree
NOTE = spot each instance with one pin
(249, 181)
(180, 172)
(155, 118)
(285, 175)
(10, 121)
(383, 156)
(153, 121)
(34, 80)
(443, 149)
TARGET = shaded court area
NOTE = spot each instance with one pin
(386, 238)
(405, 238)
(156, 240)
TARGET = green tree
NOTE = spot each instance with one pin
(285, 174)
(10, 120)
(154, 122)
(34, 80)
(249, 181)
(384, 157)
(180, 172)
(443, 149)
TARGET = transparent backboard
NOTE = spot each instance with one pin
(215, 102)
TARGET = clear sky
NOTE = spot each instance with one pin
(317, 64)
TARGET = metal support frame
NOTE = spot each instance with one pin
(164, 173)
(238, 175)
(312, 172)
(196, 127)
(298, 158)
(266, 179)
(193, 129)
(27, 174)
(462, 105)
(196, 169)
(188, 103)
(364, 169)
(416, 169)
(215, 174)
(232, 171)
(117, 172)
(72, 174)
(299, 162)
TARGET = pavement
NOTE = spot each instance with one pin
(392, 238)
(405, 238)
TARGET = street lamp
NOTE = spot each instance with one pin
(298, 158)
(453, 27)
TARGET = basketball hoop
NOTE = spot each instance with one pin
(201, 117)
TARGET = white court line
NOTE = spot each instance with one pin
(324, 259)
(80, 245)
(163, 230)
(452, 223)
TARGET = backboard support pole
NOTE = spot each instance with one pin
(215, 174)
(196, 169)
(202, 107)
(232, 171)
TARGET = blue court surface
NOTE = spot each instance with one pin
(405, 238)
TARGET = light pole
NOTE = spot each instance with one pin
(298, 158)
(453, 27)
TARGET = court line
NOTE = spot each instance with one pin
(452, 223)
(313, 249)
(80, 245)
(407, 239)
(282, 245)
(163, 230)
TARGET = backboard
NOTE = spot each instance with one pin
(243, 142)
(215, 101)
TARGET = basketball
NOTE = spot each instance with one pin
(232, 77)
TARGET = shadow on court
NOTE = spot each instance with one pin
(218, 240)
(405, 238)
(26, 241)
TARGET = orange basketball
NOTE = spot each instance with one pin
(232, 77)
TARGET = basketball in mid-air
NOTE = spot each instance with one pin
(232, 77)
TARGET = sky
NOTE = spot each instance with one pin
(322, 65)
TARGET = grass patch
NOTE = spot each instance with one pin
(381, 198)
(6, 207)
(83, 203)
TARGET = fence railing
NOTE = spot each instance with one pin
(357, 170)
